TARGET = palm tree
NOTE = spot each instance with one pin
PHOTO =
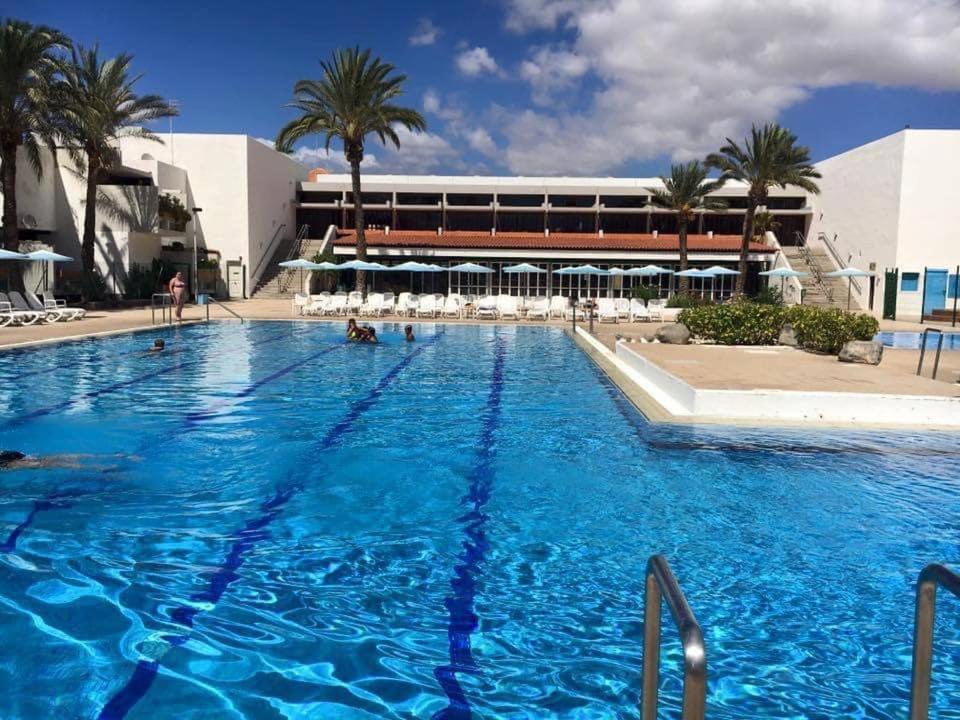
(353, 99)
(686, 191)
(764, 222)
(99, 106)
(769, 158)
(28, 67)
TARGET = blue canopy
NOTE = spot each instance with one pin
(413, 266)
(299, 263)
(783, 273)
(694, 273)
(581, 270)
(523, 268)
(470, 268)
(720, 270)
(648, 270)
(47, 256)
(361, 265)
(10, 255)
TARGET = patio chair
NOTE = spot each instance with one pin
(428, 306)
(402, 303)
(607, 310)
(451, 307)
(78, 313)
(20, 304)
(299, 303)
(487, 307)
(558, 306)
(508, 306)
(372, 305)
(54, 312)
(354, 302)
(623, 308)
(638, 311)
(539, 308)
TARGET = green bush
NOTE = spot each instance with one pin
(142, 282)
(680, 300)
(645, 293)
(740, 323)
(826, 330)
(768, 296)
(751, 323)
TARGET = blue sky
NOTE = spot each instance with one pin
(557, 87)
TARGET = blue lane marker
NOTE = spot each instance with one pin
(463, 620)
(50, 409)
(55, 500)
(244, 540)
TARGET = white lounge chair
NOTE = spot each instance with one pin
(412, 305)
(570, 311)
(508, 306)
(539, 308)
(388, 304)
(428, 306)
(402, 303)
(21, 304)
(623, 308)
(78, 313)
(20, 316)
(487, 307)
(607, 310)
(372, 305)
(638, 311)
(354, 302)
(299, 303)
(558, 306)
(451, 307)
(336, 305)
(655, 308)
(55, 312)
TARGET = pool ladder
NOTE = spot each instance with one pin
(923, 350)
(661, 584)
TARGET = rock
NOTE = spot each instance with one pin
(788, 336)
(674, 334)
(868, 352)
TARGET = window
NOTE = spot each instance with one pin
(910, 282)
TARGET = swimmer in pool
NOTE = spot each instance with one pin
(369, 335)
(16, 460)
(408, 333)
(158, 346)
(353, 331)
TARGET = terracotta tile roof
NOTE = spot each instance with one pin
(554, 241)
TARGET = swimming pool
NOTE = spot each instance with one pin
(911, 340)
(297, 528)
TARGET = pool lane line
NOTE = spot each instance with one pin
(50, 409)
(245, 539)
(463, 621)
(53, 501)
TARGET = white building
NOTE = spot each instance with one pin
(893, 206)
(246, 191)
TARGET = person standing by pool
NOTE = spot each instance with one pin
(178, 291)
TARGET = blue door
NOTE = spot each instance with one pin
(935, 291)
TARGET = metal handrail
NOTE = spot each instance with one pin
(828, 243)
(931, 577)
(268, 253)
(662, 585)
(815, 272)
(294, 252)
(166, 301)
(923, 350)
(214, 300)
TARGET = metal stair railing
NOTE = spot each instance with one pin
(210, 300)
(931, 577)
(662, 585)
(269, 252)
(828, 244)
(296, 248)
(813, 267)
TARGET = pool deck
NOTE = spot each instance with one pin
(701, 367)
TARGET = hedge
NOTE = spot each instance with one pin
(748, 323)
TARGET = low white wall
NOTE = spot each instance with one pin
(685, 401)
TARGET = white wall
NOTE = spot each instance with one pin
(272, 179)
(858, 208)
(35, 196)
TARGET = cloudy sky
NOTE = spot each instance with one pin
(553, 87)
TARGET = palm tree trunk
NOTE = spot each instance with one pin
(88, 242)
(11, 238)
(359, 223)
(682, 231)
(752, 203)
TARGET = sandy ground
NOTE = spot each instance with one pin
(702, 366)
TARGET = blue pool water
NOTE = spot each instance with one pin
(272, 524)
(912, 340)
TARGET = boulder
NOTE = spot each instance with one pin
(674, 334)
(868, 352)
(788, 336)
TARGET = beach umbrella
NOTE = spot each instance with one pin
(524, 269)
(720, 272)
(469, 267)
(10, 255)
(695, 273)
(647, 271)
(45, 256)
(850, 273)
(616, 272)
(412, 266)
(783, 273)
(587, 270)
(300, 264)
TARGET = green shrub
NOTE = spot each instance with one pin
(679, 300)
(740, 323)
(768, 296)
(826, 330)
(752, 323)
(645, 293)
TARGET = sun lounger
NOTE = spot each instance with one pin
(428, 306)
(558, 306)
(451, 306)
(638, 311)
(539, 309)
(51, 302)
(623, 308)
(21, 316)
(487, 307)
(607, 310)
(508, 306)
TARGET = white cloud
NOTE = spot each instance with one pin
(480, 140)
(548, 70)
(456, 124)
(334, 160)
(476, 61)
(431, 101)
(676, 77)
(426, 33)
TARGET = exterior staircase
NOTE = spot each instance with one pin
(818, 290)
(278, 282)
